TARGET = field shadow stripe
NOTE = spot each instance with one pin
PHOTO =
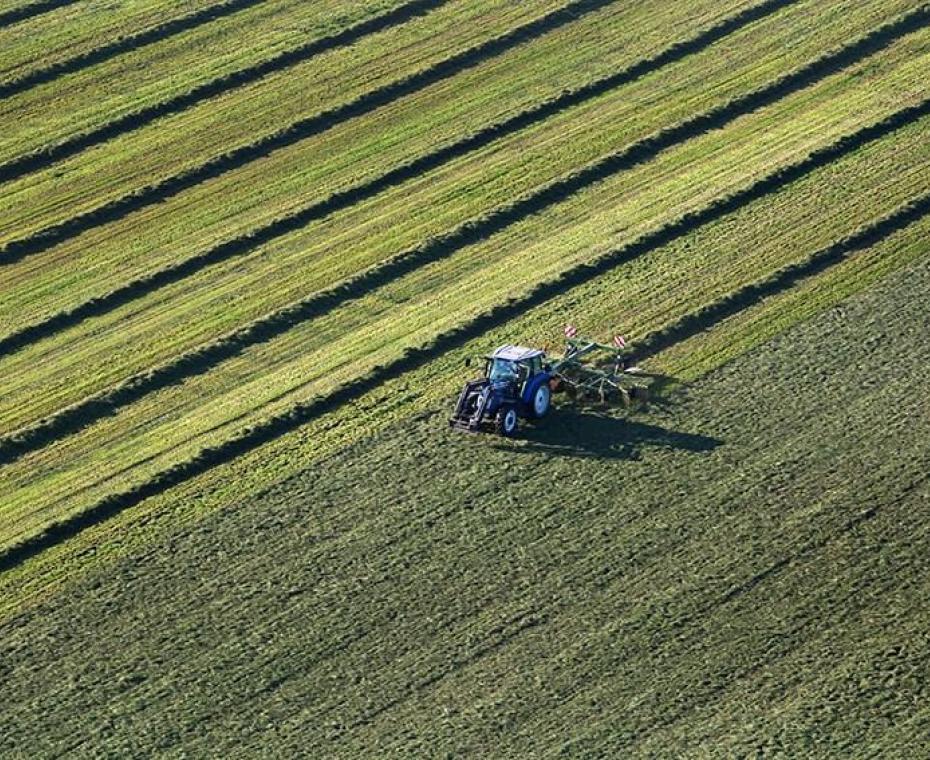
(46, 157)
(26, 12)
(343, 199)
(126, 44)
(412, 358)
(142, 197)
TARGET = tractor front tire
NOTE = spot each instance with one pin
(506, 422)
(542, 399)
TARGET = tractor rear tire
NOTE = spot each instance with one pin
(506, 421)
(542, 399)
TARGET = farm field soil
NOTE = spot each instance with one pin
(312, 358)
(740, 568)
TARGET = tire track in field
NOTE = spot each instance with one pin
(32, 10)
(46, 157)
(343, 199)
(133, 42)
(297, 131)
(413, 358)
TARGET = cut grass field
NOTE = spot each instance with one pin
(189, 50)
(279, 106)
(66, 31)
(244, 265)
(673, 582)
(223, 297)
(315, 355)
(404, 134)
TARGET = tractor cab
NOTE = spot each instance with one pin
(514, 366)
(515, 384)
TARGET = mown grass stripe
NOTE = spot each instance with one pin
(300, 130)
(201, 359)
(413, 358)
(132, 42)
(25, 12)
(243, 244)
(781, 280)
(44, 158)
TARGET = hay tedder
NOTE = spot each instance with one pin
(519, 382)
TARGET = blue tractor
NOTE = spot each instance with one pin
(519, 382)
(516, 383)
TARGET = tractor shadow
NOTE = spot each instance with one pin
(573, 432)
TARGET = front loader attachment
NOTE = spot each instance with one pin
(471, 406)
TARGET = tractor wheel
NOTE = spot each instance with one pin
(541, 401)
(506, 421)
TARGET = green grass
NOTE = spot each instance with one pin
(79, 28)
(44, 115)
(154, 328)
(685, 579)
(429, 389)
(436, 381)
(313, 357)
(356, 150)
(679, 581)
(241, 116)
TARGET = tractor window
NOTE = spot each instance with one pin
(502, 370)
(535, 365)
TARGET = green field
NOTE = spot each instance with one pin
(244, 247)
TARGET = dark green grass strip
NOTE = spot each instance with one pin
(243, 244)
(300, 130)
(413, 358)
(124, 45)
(15, 15)
(42, 159)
